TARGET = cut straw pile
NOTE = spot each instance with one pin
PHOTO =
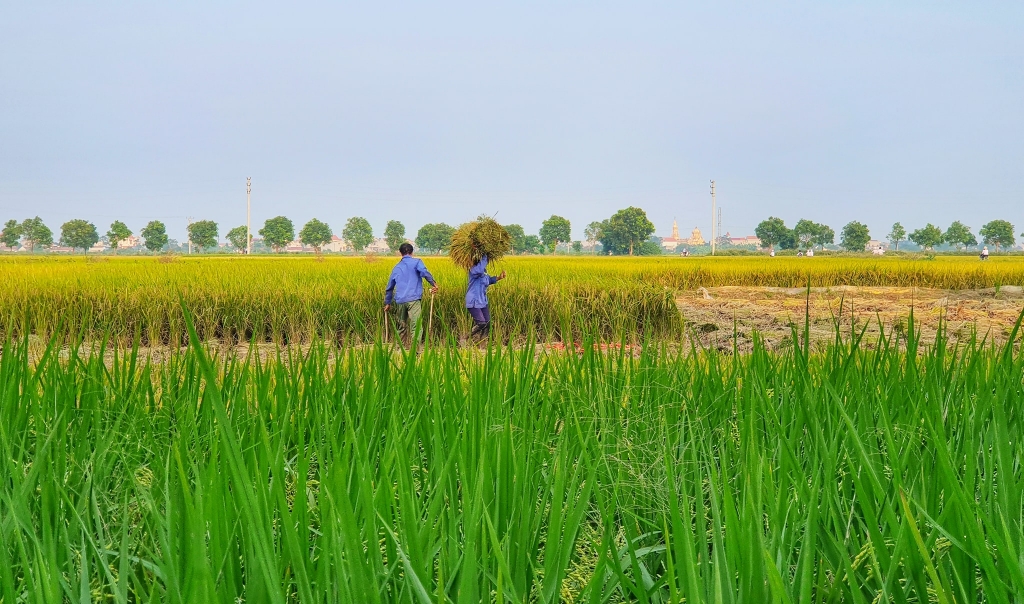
(474, 240)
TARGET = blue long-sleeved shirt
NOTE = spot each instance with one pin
(406, 281)
(479, 281)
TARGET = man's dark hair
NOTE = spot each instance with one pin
(405, 249)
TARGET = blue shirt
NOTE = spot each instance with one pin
(479, 281)
(406, 281)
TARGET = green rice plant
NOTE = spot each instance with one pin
(854, 473)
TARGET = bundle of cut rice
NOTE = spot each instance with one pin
(474, 240)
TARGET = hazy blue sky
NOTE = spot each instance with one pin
(876, 111)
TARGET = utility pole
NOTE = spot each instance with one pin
(189, 234)
(713, 212)
(248, 214)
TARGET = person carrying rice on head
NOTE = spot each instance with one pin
(475, 245)
(476, 297)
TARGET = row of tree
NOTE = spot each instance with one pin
(855, 236)
(628, 231)
(625, 232)
(997, 233)
(77, 234)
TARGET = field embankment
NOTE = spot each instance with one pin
(288, 299)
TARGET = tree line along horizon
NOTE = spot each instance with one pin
(627, 232)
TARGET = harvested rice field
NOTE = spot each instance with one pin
(723, 316)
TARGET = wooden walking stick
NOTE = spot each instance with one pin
(430, 316)
(386, 330)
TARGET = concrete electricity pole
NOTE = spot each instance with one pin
(189, 231)
(713, 217)
(248, 214)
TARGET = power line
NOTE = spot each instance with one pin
(248, 214)
(712, 218)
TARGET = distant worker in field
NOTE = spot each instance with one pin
(476, 298)
(810, 252)
(984, 253)
(405, 290)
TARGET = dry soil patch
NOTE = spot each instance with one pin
(716, 315)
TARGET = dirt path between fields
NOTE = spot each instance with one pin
(711, 314)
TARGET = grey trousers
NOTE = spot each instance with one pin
(407, 318)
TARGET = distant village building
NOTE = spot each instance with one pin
(98, 247)
(337, 244)
(748, 240)
(129, 242)
(379, 246)
(671, 243)
(696, 238)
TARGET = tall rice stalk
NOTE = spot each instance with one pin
(854, 474)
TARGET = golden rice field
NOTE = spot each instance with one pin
(289, 299)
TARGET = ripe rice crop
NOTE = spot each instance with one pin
(854, 474)
(292, 299)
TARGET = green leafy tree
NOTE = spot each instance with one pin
(278, 232)
(203, 234)
(78, 234)
(518, 236)
(36, 233)
(626, 230)
(649, 248)
(394, 234)
(11, 234)
(592, 233)
(959, 235)
(555, 230)
(824, 236)
(809, 234)
(154, 234)
(315, 234)
(772, 232)
(855, 236)
(534, 245)
(577, 246)
(927, 237)
(236, 237)
(805, 230)
(435, 237)
(358, 233)
(788, 240)
(998, 233)
(118, 232)
(896, 235)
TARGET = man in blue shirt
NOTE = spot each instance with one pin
(405, 289)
